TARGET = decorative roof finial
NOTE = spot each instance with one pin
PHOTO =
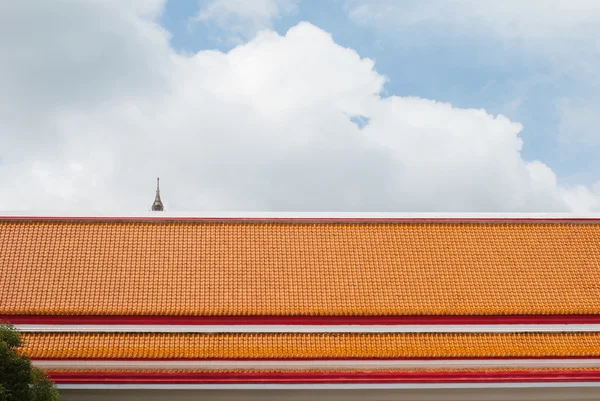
(157, 206)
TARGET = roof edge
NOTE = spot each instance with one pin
(307, 217)
(517, 375)
(318, 320)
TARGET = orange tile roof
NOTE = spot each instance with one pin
(308, 345)
(270, 268)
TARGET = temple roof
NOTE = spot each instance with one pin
(319, 266)
(280, 299)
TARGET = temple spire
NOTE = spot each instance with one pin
(157, 206)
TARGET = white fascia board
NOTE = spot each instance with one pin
(300, 215)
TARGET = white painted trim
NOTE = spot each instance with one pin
(322, 364)
(424, 328)
(320, 386)
(302, 215)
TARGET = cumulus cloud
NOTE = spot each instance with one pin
(541, 51)
(242, 19)
(532, 19)
(94, 107)
(554, 38)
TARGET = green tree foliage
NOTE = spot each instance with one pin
(19, 381)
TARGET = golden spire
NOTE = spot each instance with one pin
(157, 206)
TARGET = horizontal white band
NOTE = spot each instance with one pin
(424, 328)
(322, 364)
(319, 386)
(304, 215)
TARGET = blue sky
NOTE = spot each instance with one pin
(436, 62)
(300, 105)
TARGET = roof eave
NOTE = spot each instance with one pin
(307, 217)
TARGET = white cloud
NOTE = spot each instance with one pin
(530, 20)
(554, 38)
(541, 50)
(242, 19)
(89, 122)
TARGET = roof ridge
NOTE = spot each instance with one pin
(459, 218)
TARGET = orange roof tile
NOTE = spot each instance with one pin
(309, 345)
(270, 268)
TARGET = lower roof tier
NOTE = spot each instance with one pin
(209, 268)
(308, 345)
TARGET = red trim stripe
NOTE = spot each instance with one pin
(320, 359)
(299, 320)
(180, 377)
